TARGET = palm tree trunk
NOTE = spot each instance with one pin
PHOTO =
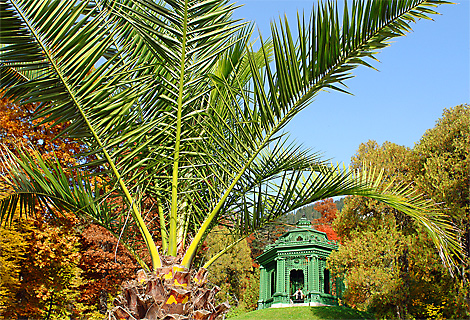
(172, 292)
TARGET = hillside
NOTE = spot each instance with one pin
(304, 313)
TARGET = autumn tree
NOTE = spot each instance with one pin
(396, 276)
(369, 261)
(18, 129)
(40, 277)
(12, 250)
(50, 276)
(418, 286)
(35, 283)
(440, 165)
(361, 212)
(105, 266)
(233, 272)
(328, 210)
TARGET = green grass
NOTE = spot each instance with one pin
(304, 313)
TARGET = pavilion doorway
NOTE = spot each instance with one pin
(296, 281)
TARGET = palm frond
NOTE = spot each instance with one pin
(244, 121)
(176, 105)
(69, 42)
(30, 182)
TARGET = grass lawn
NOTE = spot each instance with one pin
(304, 313)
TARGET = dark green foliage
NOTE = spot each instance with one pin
(309, 212)
(339, 204)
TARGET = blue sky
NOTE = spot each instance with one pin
(419, 75)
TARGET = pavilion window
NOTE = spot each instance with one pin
(273, 283)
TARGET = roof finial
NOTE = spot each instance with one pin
(303, 221)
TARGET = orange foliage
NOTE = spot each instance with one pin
(17, 129)
(54, 245)
(327, 209)
(328, 229)
(103, 271)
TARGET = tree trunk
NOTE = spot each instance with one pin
(170, 293)
(405, 276)
(103, 301)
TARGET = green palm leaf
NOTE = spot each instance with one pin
(177, 108)
(97, 106)
(32, 181)
(246, 120)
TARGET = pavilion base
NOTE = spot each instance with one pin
(313, 299)
(305, 304)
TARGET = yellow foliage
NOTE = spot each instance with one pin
(12, 249)
(50, 276)
(233, 272)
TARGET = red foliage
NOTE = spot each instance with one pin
(328, 211)
(104, 268)
(330, 233)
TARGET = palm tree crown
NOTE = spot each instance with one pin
(184, 118)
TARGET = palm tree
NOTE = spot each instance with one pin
(184, 119)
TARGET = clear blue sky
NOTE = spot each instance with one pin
(419, 75)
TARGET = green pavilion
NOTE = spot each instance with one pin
(297, 260)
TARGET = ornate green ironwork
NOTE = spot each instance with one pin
(297, 260)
